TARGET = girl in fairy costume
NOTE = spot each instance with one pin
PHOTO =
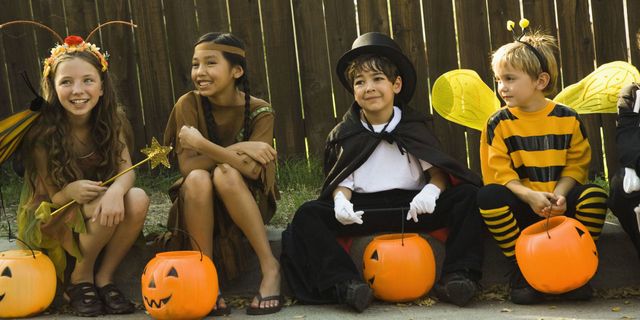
(78, 141)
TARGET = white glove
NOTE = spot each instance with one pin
(344, 210)
(423, 202)
(631, 182)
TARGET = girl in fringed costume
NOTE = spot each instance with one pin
(223, 140)
(79, 140)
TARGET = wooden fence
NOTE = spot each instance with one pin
(293, 46)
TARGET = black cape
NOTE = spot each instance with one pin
(350, 144)
(628, 132)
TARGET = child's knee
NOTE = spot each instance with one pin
(491, 196)
(197, 181)
(138, 201)
(227, 178)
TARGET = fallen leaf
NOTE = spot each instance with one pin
(615, 309)
(506, 310)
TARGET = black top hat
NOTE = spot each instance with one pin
(379, 44)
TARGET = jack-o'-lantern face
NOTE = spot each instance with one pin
(6, 273)
(179, 284)
(27, 283)
(556, 256)
(399, 268)
(172, 273)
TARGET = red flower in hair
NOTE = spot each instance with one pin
(73, 40)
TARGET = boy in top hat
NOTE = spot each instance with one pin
(382, 156)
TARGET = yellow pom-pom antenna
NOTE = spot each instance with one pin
(510, 25)
(524, 23)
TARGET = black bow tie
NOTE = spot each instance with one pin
(389, 137)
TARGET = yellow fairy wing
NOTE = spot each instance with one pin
(598, 92)
(12, 130)
(462, 97)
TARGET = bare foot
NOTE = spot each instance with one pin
(270, 285)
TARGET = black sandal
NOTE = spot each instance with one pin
(251, 310)
(114, 300)
(218, 311)
(84, 299)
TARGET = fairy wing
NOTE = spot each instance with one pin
(12, 130)
(462, 97)
(598, 92)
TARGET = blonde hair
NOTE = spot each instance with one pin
(519, 56)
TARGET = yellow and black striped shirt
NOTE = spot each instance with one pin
(537, 148)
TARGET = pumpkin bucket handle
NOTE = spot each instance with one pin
(27, 245)
(403, 210)
(190, 237)
(9, 233)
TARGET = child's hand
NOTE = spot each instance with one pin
(423, 202)
(540, 202)
(559, 207)
(258, 151)
(631, 182)
(189, 137)
(110, 210)
(84, 191)
(344, 210)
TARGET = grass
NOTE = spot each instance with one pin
(299, 180)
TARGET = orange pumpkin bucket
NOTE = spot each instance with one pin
(27, 283)
(179, 285)
(399, 267)
(556, 255)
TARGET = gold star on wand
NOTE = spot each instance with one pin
(156, 153)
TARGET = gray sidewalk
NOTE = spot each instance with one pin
(486, 310)
(619, 267)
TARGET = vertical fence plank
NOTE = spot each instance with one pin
(51, 14)
(576, 47)
(212, 16)
(407, 32)
(5, 98)
(182, 32)
(442, 57)
(542, 14)
(283, 76)
(609, 47)
(118, 41)
(633, 6)
(81, 18)
(245, 18)
(500, 11)
(340, 19)
(373, 15)
(473, 38)
(19, 52)
(155, 80)
(315, 73)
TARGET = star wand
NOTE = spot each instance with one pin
(156, 153)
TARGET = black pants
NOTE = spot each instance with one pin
(313, 262)
(622, 205)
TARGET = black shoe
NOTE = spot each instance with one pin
(583, 293)
(456, 288)
(355, 294)
(520, 291)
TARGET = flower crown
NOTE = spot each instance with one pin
(74, 44)
(524, 23)
(71, 44)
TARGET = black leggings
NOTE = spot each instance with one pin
(505, 215)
